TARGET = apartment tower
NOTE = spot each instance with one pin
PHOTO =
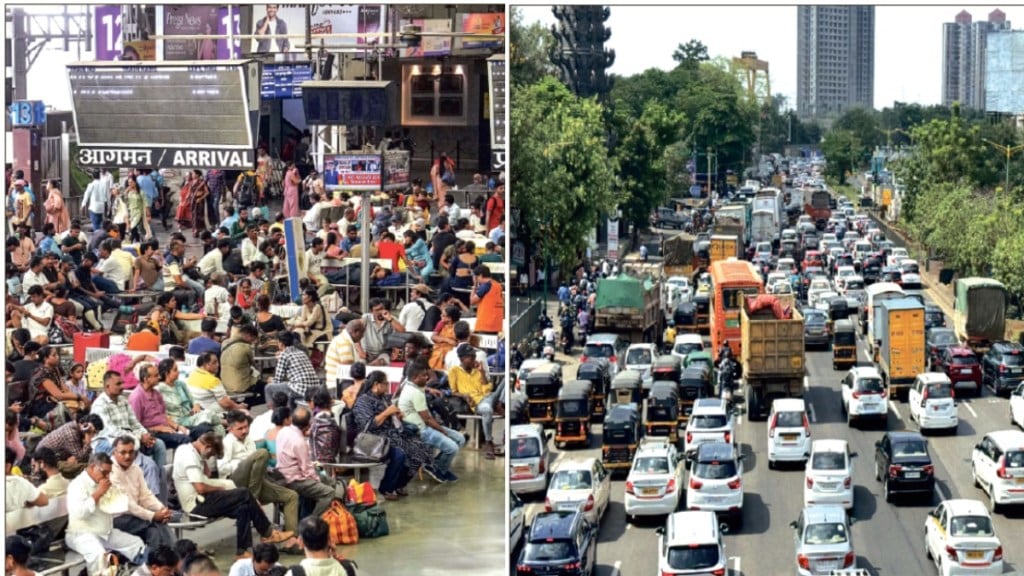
(963, 57)
(835, 59)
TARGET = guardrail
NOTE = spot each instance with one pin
(522, 324)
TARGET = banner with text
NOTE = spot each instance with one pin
(396, 169)
(165, 157)
(430, 46)
(188, 20)
(613, 239)
(482, 23)
(353, 171)
(223, 51)
(281, 19)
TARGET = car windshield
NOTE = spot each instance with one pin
(910, 449)
(943, 338)
(693, 557)
(971, 526)
(685, 348)
(941, 390)
(597, 351)
(548, 551)
(715, 470)
(825, 533)
(854, 285)
(964, 360)
(870, 385)
(707, 421)
(910, 269)
(828, 461)
(651, 465)
(1013, 359)
(525, 448)
(789, 419)
(638, 356)
(570, 480)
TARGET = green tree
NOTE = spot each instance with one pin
(561, 174)
(844, 150)
(863, 123)
(691, 54)
(528, 51)
(642, 159)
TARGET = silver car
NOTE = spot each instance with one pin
(823, 541)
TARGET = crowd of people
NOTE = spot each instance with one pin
(186, 393)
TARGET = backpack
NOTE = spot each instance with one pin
(325, 438)
(431, 317)
(349, 565)
(247, 190)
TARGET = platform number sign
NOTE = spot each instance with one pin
(109, 41)
(26, 113)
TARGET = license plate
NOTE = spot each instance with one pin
(1019, 480)
(649, 491)
(936, 408)
(521, 470)
(965, 370)
(975, 554)
(912, 475)
(789, 437)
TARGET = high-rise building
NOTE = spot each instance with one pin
(964, 45)
(835, 59)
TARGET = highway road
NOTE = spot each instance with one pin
(888, 538)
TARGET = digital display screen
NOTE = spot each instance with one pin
(191, 106)
(331, 106)
(496, 68)
(284, 80)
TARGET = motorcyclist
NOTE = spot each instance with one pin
(724, 352)
(668, 339)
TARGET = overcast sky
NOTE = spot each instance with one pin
(908, 41)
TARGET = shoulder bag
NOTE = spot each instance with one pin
(370, 447)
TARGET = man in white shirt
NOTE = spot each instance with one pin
(19, 493)
(92, 504)
(96, 199)
(314, 261)
(311, 220)
(34, 276)
(251, 246)
(320, 560)
(415, 310)
(112, 267)
(348, 219)
(264, 557)
(147, 516)
(36, 315)
(213, 260)
(246, 466)
(215, 301)
(454, 211)
(264, 422)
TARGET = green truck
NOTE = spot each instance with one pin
(979, 312)
(629, 306)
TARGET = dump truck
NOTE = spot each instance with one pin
(680, 256)
(725, 246)
(629, 306)
(979, 312)
(772, 352)
(733, 219)
(899, 343)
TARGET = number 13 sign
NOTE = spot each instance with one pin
(27, 113)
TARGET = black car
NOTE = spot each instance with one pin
(903, 465)
(871, 269)
(1002, 367)
(891, 274)
(816, 331)
(933, 317)
(936, 341)
(563, 542)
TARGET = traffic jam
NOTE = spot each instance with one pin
(784, 391)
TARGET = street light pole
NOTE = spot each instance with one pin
(1008, 150)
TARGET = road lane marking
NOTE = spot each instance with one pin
(738, 569)
(971, 410)
(616, 567)
(810, 408)
(892, 406)
(807, 383)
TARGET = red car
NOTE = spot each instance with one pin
(961, 365)
(813, 258)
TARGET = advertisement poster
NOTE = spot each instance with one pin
(223, 53)
(353, 171)
(430, 46)
(349, 19)
(139, 50)
(396, 169)
(187, 20)
(613, 239)
(272, 19)
(490, 23)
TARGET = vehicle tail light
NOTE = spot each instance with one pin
(771, 427)
(522, 568)
(856, 395)
(735, 484)
(848, 559)
(728, 437)
(803, 561)
(1001, 472)
(583, 358)
(1002, 368)
(810, 482)
(590, 503)
(847, 482)
(719, 572)
(998, 555)
(894, 469)
(547, 504)
(614, 360)
(696, 484)
(924, 395)
(671, 486)
(807, 426)
(883, 393)
(541, 466)
(572, 566)
(951, 552)
(689, 437)
(929, 469)
(629, 487)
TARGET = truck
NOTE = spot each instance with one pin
(764, 227)
(899, 343)
(724, 247)
(979, 312)
(772, 353)
(629, 306)
(817, 205)
(734, 219)
(680, 255)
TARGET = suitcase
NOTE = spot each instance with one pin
(85, 340)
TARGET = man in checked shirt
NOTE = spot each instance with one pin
(294, 374)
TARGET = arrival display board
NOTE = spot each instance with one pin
(201, 105)
(284, 79)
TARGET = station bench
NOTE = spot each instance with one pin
(56, 509)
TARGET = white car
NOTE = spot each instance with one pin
(716, 481)
(851, 283)
(910, 273)
(525, 368)
(789, 432)
(829, 475)
(686, 343)
(821, 299)
(709, 421)
(818, 285)
(641, 357)
(896, 253)
(763, 249)
(960, 538)
(1017, 406)
(844, 272)
(774, 277)
(577, 483)
(931, 402)
(655, 482)
(691, 543)
(516, 520)
(861, 250)
(780, 287)
(864, 395)
(786, 265)
(681, 290)
(997, 466)
(528, 458)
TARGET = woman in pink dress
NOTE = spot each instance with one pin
(291, 191)
(56, 210)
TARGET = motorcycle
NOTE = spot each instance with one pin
(726, 374)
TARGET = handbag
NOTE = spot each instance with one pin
(370, 447)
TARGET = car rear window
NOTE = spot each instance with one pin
(943, 338)
(651, 465)
(638, 356)
(715, 470)
(870, 385)
(1015, 459)
(685, 348)
(598, 351)
(971, 526)
(942, 390)
(828, 461)
(910, 449)
(1013, 359)
(525, 448)
(570, 480)
(698, 557)
(825, 533)
(964, 360)
(708, 421)
(789, 419)
(549, 551)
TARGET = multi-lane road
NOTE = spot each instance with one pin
(888, 538)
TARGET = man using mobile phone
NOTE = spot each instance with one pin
(380, 324)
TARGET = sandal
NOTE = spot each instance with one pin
(277, 536)
(402, 492)
(292, 547)
(390, 496)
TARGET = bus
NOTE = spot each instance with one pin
(729, 279)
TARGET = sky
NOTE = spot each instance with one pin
(908, 41)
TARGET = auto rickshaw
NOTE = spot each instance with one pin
(598, 373)
(703, 303)
(627, 388)
(667, 367)
(517, 409)
(572, 422)
(699, 359)
(622, 433)
(662, 417)
(542, 385)
(839, 309)
(844, 344)
(695, 383)
(685, 317)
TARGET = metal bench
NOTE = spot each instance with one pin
(475, 425)
(54, 510)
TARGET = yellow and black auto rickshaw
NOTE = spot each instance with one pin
(844, 344)
(695, 384)
(668, 367)
(542, 385)
(622, 433)
(685, 317)
(662, 415)
(627, 388)
(572, 421)
(703, 303)
(599, 374)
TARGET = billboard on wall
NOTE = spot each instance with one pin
(430, 46)
(396, 169)
(284, 19)
(189, 20)
(353, 171)
(482, 23)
